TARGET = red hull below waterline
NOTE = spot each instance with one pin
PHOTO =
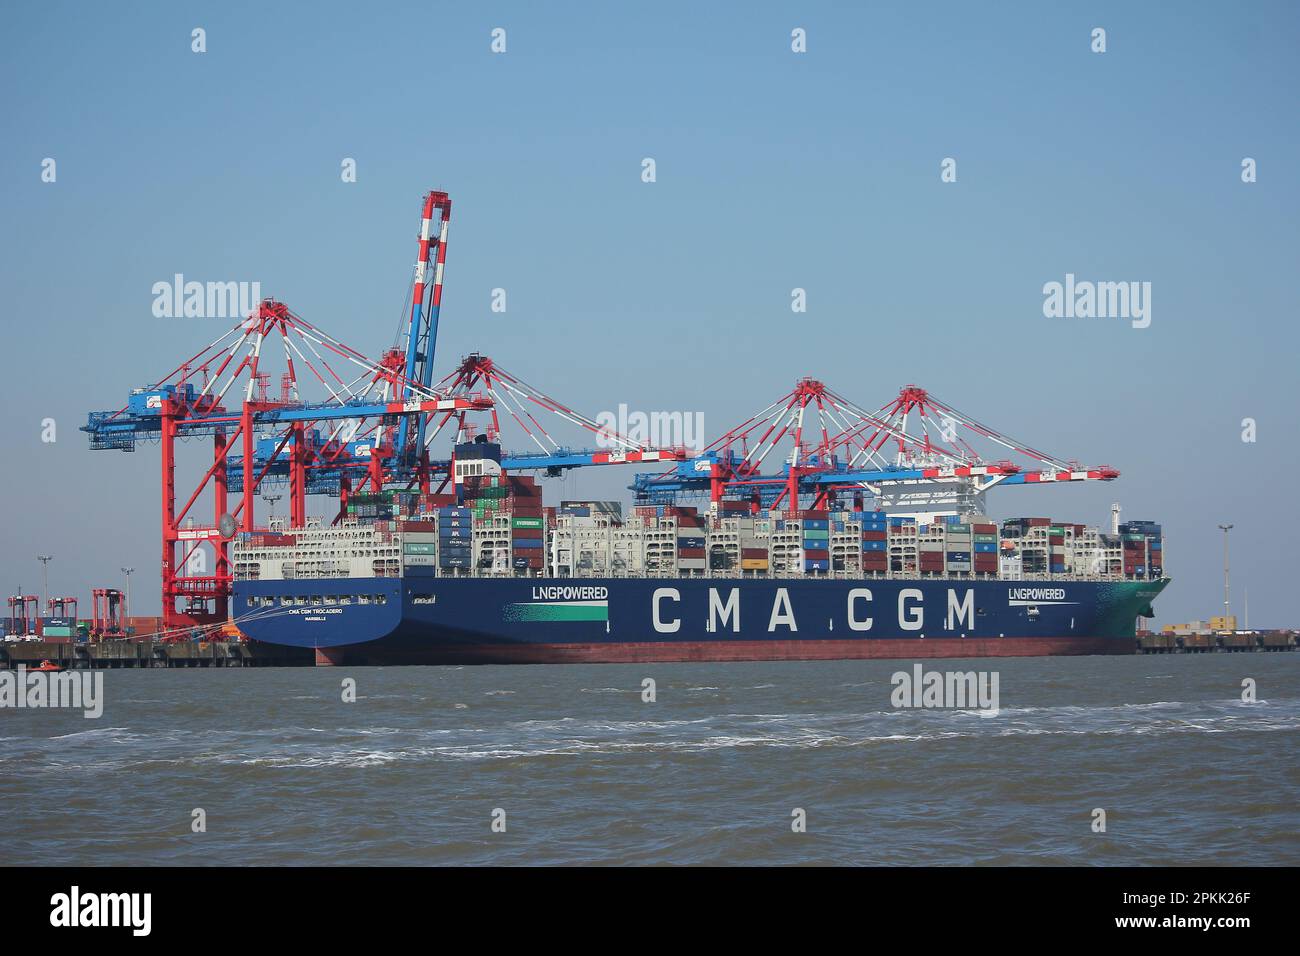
(706, 651)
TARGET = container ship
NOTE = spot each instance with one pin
(490, 575)
(422, 559)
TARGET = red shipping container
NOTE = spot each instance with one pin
(753, 554)
(817, 554)
(690, 552)
(526, 534)
(874, 536)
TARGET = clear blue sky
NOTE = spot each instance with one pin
(775, 170)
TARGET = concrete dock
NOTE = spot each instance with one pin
(1255, 642)
(95, 655)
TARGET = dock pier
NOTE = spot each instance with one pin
(1256, 642)
(112, 655)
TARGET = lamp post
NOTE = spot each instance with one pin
(1225, 528)
(45, 560)
(127, 612)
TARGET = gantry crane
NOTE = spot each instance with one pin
(372, 432)
(827, 445)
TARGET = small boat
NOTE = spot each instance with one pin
(47, 666)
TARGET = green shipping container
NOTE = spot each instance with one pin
(419, 547)
(526, 523)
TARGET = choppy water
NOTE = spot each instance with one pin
(587, 773)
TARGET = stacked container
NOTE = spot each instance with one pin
(692, 531)
(815, 533)
(875, 541)
(932, 541)
(801, 543)
(740, 540)
(846, 542)
(957, 546)
(1056, 561)
(904, 552)
(1030, 536)
(455, 534)
(420, 548)
(527, 525)
(984, 539)
(1143, 549)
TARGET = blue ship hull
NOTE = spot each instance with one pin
(428, 620)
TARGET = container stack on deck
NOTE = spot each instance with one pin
(527, 525)
(875, 540)
(904, 546)
(509, 522)
(502, 528)
(455, 533)
(1040, 546)
(1143, 548)
(420, 547)
(691, 531)
(738, 539)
